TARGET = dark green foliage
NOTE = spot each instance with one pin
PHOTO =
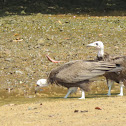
(61, 6)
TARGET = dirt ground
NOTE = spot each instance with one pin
(24, 43)
(69, 112)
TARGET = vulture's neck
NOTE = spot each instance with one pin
(101, 52)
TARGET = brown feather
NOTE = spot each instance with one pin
(119, 60)
(78, 73)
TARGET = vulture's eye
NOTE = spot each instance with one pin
(96, 43)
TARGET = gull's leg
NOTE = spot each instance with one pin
(121, 89)
(83, 95)
(109, 83)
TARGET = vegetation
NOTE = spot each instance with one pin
(90, 7)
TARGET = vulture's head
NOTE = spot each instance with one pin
(97, 44)
(41, 83)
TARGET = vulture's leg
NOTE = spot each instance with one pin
(109, 83)
(83, 95)
(70, 91)
(121, 89)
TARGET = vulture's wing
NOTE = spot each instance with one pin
(83, 70)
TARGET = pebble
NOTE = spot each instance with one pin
(9, 59)
(19, 72)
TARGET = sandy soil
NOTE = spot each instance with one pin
(25, 40)
(69, 112)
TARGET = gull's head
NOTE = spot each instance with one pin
(97, 44)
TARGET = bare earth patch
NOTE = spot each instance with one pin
(26, 40)
(69, 112)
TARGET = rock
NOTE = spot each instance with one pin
(98, 108)
(84, 111)
(9, 59)
(41, 41)
(29, 70)
(76, 111)
(10, 104)
(19, 72)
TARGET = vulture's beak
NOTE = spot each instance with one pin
(36, 88)
(40, 83)
(91, 45)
